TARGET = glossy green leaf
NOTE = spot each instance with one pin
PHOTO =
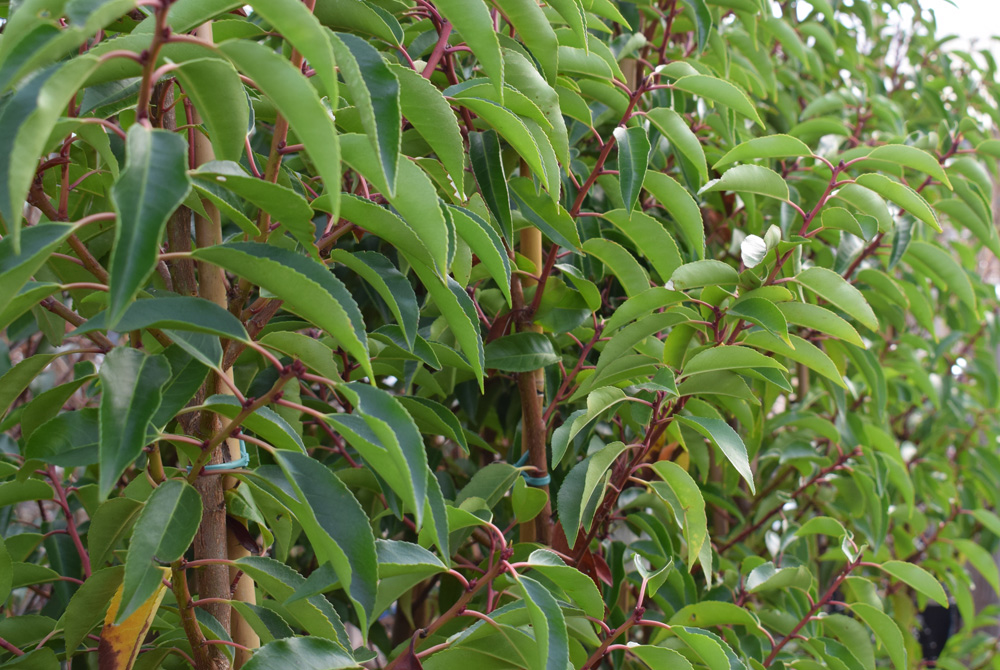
(298, 102)
(764, 313)
(911, 157)
(486, 244)
(750, 179)
(940, 263)
(337, 527)
(902, 195)
(673, 126)
(918, 578)
(580, 485)
(304, 653)
(174, 312)
(305, 287)
(376, 93)
(547, 215)
(886, 631)
(130, 384)
(688, 505)
(520, 352)
(484, 151)
(703, 273)
(388, 282)
(621, 263)
(633, 156)
(89, 605)
(650, 238)
(551, 634)
(473, 22)
(164, 530)
(17, 266)
(217, 93)
(833, 288)
(153, 184)
(719, 91)
(723, 436)
(772, 146)
(804, 352)
(729, 358)
(681, 207)
(821, 320)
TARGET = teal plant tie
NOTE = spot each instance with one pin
(528, 479)
(241, 462)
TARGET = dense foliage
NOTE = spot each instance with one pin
(496, 334)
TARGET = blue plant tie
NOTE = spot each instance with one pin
(241, 462)
(528, 479)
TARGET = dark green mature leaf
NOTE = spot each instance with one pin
(215, 88)
(484, 152)
(130, 381)
(548, 623)
(681, 207)
(424, 106)
(153, 184)
(303, 653)
(673, 126)
(16, 379)
(918, 578)
(720, 91)
(89, 604)
(633, 156)
(164, 530)
(940, 263)
(902, 195)
(388, 282)
(473, 22)
(109, 525)
(26, 119)
(264, 422)
(520, 352)
(727, 439)
(886, 631)
(6, 571)
(583, 482)
(688, 505)
(772, 146)
(375, 90)
(69, 440)
(298, 102)
(175, 312)
(17, 266)
(337, 527)
(547, 215)
(306, 287)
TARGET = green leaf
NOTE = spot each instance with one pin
(13, 492)
(766, 578)
(705, 648)
(153, 184)
(702, 20)
(763, 313)
(174, 312)
(942, 264)
(264, 422)
(388, 282)
(902, 195)
(918, 578)
(821, 320)
(109, 525)
(473, 22)
(520, 352)
(17, 267)
(548, 624)
(839, 218)
(885, 630)
(981, 560)
(302, 653)
(88, 606)
(911, 157)
(729, 358)
(217, 93)
(704, 273)
(306, 287)
(533, 27)
(130, 381)
(423, 106)
(682, 208)
(750, 179)
(723, 436)
(547, 215)
(163, 532)
(719, 91)
(660, 657)
(673, 126)
(27, 117)
(835, 290)
(800, 351)
(7, 572)
(15, 380)
(772, 146)
(868, 202)
(633, 156)
(336, 526)
(578, 586)
(822, 525)
(580, 485)
(688, 505)
(853, 635)
(303, 30)
(572, 11)
(650, 238)
(375, 92)
(364, 17)
(298, 102)
(487, 165)
(486, 244)
(68, 440)
(389, 226)
(622, 264)
(286, 206)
